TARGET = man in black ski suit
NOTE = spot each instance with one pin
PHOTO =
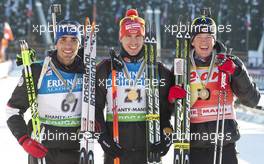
(207, 62)
(131, 99)
(59, 116)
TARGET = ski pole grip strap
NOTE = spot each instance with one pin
(22, 139)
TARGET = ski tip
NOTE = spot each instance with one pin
(86, 23)
(93, 26)
(148, 27)
(179, 19)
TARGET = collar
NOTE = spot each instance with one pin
(202, 60)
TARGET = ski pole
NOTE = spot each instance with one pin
(27, 60)
(223, 78)
(55, 10)
(114, 107)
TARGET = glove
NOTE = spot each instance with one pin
(226, 65)
(32, 147)
(116, 62)
(176, 92)
(109, 146)
(163, 146)
(32, 54)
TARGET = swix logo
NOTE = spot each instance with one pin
(203, 75)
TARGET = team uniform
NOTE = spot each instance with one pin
(131, 111)
(60, 120)
(204, 111)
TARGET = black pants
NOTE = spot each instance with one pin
(57, 156)
(206, 155)
(131, 157)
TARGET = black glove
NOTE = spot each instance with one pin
(164, 144)
(109, 146)
(116, 61)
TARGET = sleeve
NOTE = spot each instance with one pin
(102, 70)
(18, 104)
(166, 81)
(243, 86)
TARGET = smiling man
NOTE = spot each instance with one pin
(131, 97)
(58, 99)
(207, 61)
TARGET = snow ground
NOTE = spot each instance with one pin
(250, 146)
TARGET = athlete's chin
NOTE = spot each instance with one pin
(67, 61)
(133, 52)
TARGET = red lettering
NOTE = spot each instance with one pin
(193, 112)
(215, 75)
(193, 76)
(204, 76)
(206, 111)
(212, 111)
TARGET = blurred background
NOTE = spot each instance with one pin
(245, 17)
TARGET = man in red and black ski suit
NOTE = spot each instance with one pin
(59, 118)
(131, 99)
(207, 61)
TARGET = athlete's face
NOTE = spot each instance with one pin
(203, 44)
(67, 48)
(132, 43)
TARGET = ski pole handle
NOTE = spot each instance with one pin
(55, 10)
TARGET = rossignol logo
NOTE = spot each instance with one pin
(90, 72)
(92, 88)
(90, 75)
